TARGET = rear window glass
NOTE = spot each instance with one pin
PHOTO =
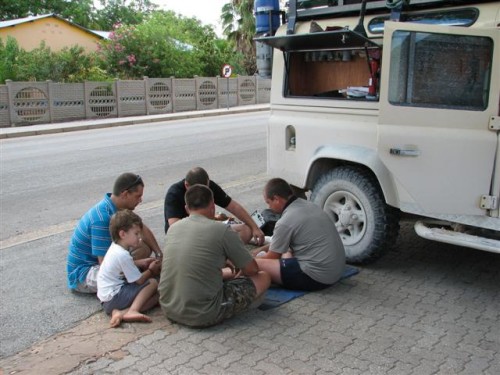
(440, 70)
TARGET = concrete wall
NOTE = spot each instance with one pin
(26, 103)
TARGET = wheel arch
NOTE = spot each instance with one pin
(329, 157)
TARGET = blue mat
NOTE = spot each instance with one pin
(278, 296)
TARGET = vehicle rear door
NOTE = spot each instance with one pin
(439, 94)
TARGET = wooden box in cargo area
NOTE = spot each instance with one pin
(322, 73)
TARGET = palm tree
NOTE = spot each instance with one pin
(238, 24)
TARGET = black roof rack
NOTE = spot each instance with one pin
(314, 9)
(304, 10)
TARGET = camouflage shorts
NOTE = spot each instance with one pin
(238, 296)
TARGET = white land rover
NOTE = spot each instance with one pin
(390, 109)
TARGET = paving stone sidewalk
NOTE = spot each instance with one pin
(425, 308)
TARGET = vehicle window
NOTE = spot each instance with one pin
(439, 70)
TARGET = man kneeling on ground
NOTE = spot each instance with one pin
(197, 289)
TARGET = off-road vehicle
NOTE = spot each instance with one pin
(384, 110)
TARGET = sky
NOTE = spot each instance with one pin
(207, 11)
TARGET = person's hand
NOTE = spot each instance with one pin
(230, 265)
(258, 236)
(230, 271)
(143, 264)
(219, 216)
(155, 267)
(238, 273)
(260, 251)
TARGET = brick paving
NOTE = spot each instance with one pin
(425, 308)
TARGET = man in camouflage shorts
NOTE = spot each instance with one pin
(207, 274)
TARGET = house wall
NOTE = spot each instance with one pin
(57, 34)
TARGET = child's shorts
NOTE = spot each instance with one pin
(124, 297)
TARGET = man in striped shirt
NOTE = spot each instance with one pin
(91, 238)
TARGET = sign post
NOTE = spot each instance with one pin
(227, 70)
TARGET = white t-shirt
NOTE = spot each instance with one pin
(116, 268)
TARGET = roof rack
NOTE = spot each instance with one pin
(303, 10)
(314, 8)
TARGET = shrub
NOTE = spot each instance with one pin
(71, 64)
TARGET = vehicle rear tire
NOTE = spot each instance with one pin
(354, 201)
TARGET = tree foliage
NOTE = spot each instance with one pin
(239, 27)
(70, 64)
(125, 12)
(81, 12)
(8, 57)
(165, 45)
(144, 42)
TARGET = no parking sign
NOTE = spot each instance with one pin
(227, 70)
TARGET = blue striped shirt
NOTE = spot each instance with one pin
(90, 239)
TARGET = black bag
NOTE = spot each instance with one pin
(270, 219)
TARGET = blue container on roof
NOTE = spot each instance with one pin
(267, 16)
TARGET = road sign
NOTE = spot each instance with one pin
(227, 70)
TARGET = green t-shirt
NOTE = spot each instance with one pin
(191, 285)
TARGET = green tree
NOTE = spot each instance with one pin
(125, 12)
(68, 65)
(14, 9)
(74, 65)
(9, 54)
(238, 23)
(165, 45)
(80, 12)
(35, 65)
(149, 42)
(83, 12)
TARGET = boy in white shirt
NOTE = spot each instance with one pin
(123, 290)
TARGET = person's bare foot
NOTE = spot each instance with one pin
(136, 317)
(116, 318)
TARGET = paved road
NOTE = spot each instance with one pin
(52, 179)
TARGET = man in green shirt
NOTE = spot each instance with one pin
(197, 288)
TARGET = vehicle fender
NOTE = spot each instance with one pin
(328, 157)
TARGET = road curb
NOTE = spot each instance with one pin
(84, 343)
(30, 130)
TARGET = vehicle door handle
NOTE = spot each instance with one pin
(402, 152)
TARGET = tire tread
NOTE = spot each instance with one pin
(386, 227)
